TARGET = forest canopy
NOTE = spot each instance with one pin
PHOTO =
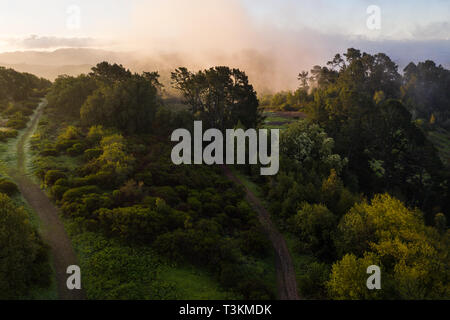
(360, 181)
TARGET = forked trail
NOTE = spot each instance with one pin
(53, 231)
(286, 279)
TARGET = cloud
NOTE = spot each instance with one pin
(162, 35)
(35, 42)
(200, 34)
(433, 31)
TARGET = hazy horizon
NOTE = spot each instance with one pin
(271, 41)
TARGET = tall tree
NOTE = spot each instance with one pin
(129, 105)
(358, 108)
(219, 96)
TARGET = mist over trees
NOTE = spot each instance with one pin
(426, 93)
(358, 100)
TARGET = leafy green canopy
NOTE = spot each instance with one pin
(17, 86)
(356, 101)
(111, 96)
(426, 92)
(219, 96)
(413, 257)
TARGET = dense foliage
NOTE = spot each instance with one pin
(357, 101)
(124, 187)
(359, 182)
(413, 257)
(23, 255)
(426, 92)
(220, 96)
(19, 95)
(362, 141)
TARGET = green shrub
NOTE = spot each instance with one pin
(24, 261)
(168, 194)
(74, 209)
(145, 177)
(76, 149)
(254, 242)
(8, 187)
(17, 123)
(133, 222)
(80, 182)
(194, 204)
(49, 152)
(8, 133)
(43, 122)
(57, 191)
(314, 226)
(77, 193)
(130, 192)
(52, 176)
(27, 112)
(95, 201)
(96, 134)
(62, 182)
(312, 283)
(90, 154)
(63, 145)
(70, 133)
(103, 179)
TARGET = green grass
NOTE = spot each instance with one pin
(275, 121)
(185, 282)
(248, 183)
(300, 261)
(281, 127)
(8, 150)
(8, 153)
(270, 118)
(193, 284)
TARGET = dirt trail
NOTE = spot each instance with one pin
(53, 231)
(286, 279)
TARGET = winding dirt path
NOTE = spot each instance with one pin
(53, 231)
(286, 279)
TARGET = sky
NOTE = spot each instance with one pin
(282, 34)
(108, 21)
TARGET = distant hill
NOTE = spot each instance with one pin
(50, 64)
(49, 72)
(266, 72)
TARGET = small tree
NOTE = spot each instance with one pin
(24, 257)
